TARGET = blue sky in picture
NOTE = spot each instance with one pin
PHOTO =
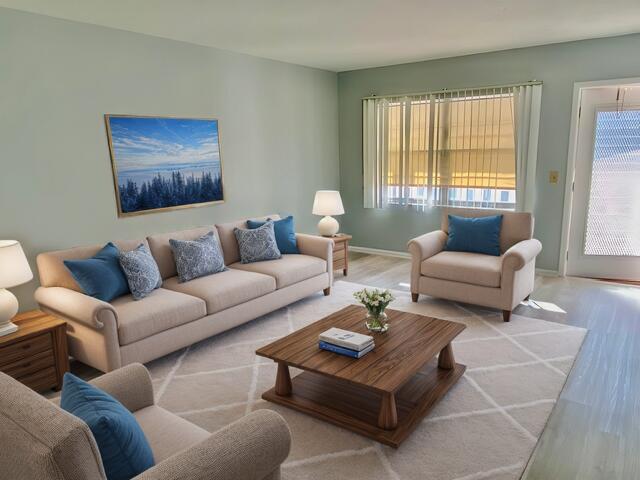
(146, 147)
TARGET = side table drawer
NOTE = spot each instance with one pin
(31, 364)
(338, 254)
(41, 380)
(26, 348)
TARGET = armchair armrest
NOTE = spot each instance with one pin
(130, 385)
(76, 306)
(520, 254)
(427, 245)
(251, 448)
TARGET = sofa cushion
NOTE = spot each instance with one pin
(285, 233)
(464, 267)
(124, 449)
(51, 267)
(100, 276)
(225, 289)
(287, 270)
(197, 258)
(228, 239)
(257, 244)
(167, 433)
(474, 234)
(141, 271)
(161, 310)
(161, 249)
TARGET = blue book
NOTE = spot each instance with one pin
(344, 351)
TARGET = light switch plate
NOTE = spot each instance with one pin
(553, 176)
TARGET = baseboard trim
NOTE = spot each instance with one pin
(547, 273)
(394, 253)
(379, 251)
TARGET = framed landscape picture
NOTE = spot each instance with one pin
(164, 163)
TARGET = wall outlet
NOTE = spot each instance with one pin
(553, 176)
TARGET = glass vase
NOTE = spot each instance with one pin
(377, 323)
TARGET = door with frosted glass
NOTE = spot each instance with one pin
(604, 240)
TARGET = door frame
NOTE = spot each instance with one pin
(578, 88)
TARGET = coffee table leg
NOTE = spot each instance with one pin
(446, 359)
(283, 380)
(388, 416)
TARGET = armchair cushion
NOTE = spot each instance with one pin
(464, 267)
(475, 235)
(123, 447)
(167, 433)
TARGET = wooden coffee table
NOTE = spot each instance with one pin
(382, 395)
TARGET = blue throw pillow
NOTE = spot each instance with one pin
(258, 244)
(100, 276)
(475, 235)
(197, 258)
(141, 271)
(123, 447)
(285, 233)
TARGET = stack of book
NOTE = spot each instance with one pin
(347, 343)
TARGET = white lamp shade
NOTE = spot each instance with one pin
(327, 202)
(14, 268)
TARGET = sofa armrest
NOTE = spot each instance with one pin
(427, 245)
(130, 385)
(520, 254)
(251, 448)
(76, 306)
(321, 247)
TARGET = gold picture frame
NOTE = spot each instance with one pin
(159, 180)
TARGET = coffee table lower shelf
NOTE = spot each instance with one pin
(357, 408)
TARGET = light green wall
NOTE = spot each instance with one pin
(558, 66)
(278, 130)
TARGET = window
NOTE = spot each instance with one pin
(443, 149)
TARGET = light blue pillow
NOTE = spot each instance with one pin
(474, 234)
(285, 233)
(100, 276)
(258, 244)
(123, 446)
(141, 271)
(197, 258)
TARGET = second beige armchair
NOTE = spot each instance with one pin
(497, 282)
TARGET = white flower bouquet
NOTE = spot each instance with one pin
(375, 301)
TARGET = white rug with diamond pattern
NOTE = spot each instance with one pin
(486, 426)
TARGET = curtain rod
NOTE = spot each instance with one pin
(455, 90)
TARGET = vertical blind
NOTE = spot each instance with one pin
(455, 148)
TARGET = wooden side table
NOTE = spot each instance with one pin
(36, 354)
(341, 252)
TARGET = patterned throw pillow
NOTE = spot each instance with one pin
(141, 271)
(257, 244)
(197, 258)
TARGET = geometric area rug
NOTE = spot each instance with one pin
(486, 427)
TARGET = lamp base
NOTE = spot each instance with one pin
(8, 328)
(8, 310)
(328, 226)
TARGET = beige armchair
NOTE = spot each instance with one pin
(497, 282)
(41, 441)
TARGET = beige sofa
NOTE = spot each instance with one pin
(110, 335)
(41, 441)
(498, 282)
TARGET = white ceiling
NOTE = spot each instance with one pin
(351, 34)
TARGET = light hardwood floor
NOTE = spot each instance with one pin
(593, 432)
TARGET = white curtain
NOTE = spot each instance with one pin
(527, 100)
(369, 153)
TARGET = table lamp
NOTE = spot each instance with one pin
(14, 270)
(327, 203)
